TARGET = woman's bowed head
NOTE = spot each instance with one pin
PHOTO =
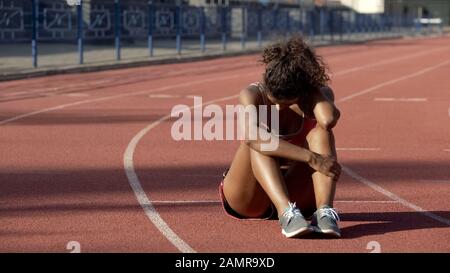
(296, 181)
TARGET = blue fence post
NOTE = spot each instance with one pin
(179, 27)
(80, 26)
(361, 26)
(259, 33)
(368, 24)
(150, 28)
(345, 22)
(380, 23)
(312, 23)
(202, 29)
(244, 26)
(358, 24)
(418, 26)
(34, 22)
(331, 24)
(223, 13)
(341, 25)
(117, 28)
(274, 20)
(301, 20)
(321, 23)
(288, 23)
(353, 29)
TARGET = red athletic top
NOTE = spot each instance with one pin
(298, 138)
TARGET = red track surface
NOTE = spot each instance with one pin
(62, 175)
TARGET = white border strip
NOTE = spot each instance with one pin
(393, 196)
(393, 81)
(122, 95)
(354, 69)
(401, 99)
(434, 181)
(214, 202)
(358, 149)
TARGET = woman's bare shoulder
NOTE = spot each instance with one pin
(250, 95)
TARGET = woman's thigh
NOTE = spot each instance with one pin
(241, 189)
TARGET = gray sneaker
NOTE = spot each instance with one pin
(324, 220)
(293, 223)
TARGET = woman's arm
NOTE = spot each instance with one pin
(322, 163)
(325, 111)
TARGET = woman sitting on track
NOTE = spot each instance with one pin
(297, 180)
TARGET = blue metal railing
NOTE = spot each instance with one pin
(94, 21)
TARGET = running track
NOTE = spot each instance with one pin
(89, 157)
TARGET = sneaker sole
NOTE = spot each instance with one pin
(329, 232)
(299, 232)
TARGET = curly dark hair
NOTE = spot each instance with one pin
(293, 70)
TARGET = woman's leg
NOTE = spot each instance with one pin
(322, 142)
(241, 189)
(253, 182)
(267, 172)
(308, 188)
(300, 186)
(325, 218)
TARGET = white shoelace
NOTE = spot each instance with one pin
(291, 211)
(330, 212)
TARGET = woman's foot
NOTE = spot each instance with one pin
(293, 223)
(324, 220)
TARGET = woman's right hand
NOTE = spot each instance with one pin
(325, 164)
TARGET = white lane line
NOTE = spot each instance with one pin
(393, 81)
(217, 202)
(142, 197)
(169, 96)
(202, 175)
(184, 202)
(122, 95)
(139, 78)
(368, 201)
(13, 94)
(58, 88)
(407, 57)
(395, 197)
(357, 149)
(164, 96)
(401, 99)
(76, 95)
(434, 181)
